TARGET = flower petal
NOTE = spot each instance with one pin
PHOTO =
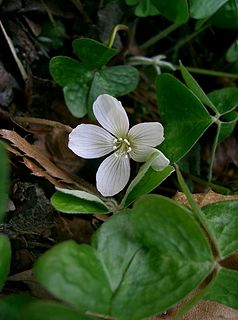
(144, 153)
(160, 162)
(111, 115)
(149, 134)
(141, 153)
(113, 175)
(90, 141)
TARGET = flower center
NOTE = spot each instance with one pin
(121, 147)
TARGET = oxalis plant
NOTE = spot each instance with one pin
(150, 252)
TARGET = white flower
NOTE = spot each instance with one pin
(156, 61)
(91, 141)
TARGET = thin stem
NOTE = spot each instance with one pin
(215, 187)
(188, 38)
(210, 72)
(160, 36)
(45, 122)
(214, 146)
(13, 51)
(79, 6)
(197, 211)
(117, 28)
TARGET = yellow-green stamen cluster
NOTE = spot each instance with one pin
(121, 146)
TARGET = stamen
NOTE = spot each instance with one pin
(127, 142)
(122, 147)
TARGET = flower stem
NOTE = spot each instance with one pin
(160, 36)
(197, 212)
(117, 28)
(213, 73)
(214, 146)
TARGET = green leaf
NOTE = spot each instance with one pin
(224, 288)
(226, 17)
(200, 9)
(196, 89)
(5, 254)
(225, 99)
(103, 277)
(93, 53)
(174, 10)
(76, 95)
(184, 117)
(72, 203)
(145, 8)
(132, 2)
(4, 174)
(116, 81)
(74, 274)
(74, 76)
(227, 125)
(232, 52)
(52, 34)
(65, 70)
(175, 259)
(12, 306)
(151, 180)
(47, 310)
(223, 221)
(145, 181)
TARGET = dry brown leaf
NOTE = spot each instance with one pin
(39, 172)
(204, 198)
(203, 310)
(28, 279)
(35, 154)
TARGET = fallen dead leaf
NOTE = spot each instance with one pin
(204, 198)
(34, 153)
